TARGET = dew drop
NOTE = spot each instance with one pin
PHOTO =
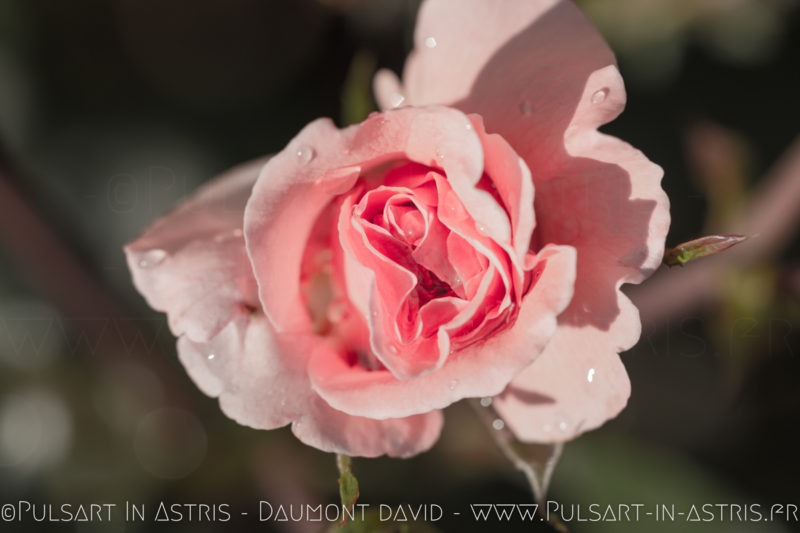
(590, 375)
(498, 424)
(152, 258)
(486, 402)
(482, 229)
(430, 42)
(305, 154)
(453, 384)
(468, 125)
(211, 356)
(439, 154)
(599, 96)
(525, 107)
(563, 425)
(397, 99)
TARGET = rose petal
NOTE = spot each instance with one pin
(192, 264)
(512, 179)
(291, 192)
(592, 191)
(600, 322)
(241, 366)
(521, 65)
(330, 430)
(257, 388)
(577, 384)
(378, 394)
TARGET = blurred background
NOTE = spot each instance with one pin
(112, 110)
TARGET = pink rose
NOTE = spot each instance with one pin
(469, 243)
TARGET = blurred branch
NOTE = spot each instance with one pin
(771, 218)
(59, 276)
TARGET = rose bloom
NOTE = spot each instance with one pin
(469, 240)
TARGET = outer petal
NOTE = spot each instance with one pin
(577, 384)
(543, 78)
(520, 64)
(192, 264)
(378, 394)
(257, 388)
(619, 231)
(293, 189)
(327, 429)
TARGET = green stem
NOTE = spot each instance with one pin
(348, 484)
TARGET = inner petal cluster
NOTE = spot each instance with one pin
(419, 272)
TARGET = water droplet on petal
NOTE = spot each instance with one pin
(525, 107)
(430, 42)
(481, 229)
(498, 424)
(392, 348)
(152, 258)
(563, 425)
(211, 356)
(599, 96)
(305, 154)
(397, 99)
(590, 375)
(453, 384)
(486, 402)
(439, 155)
(469, 126)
